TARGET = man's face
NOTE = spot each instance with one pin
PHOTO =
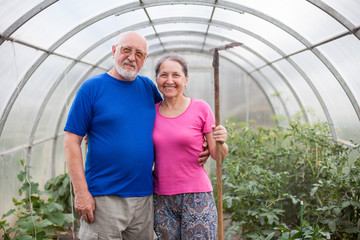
(129, 56)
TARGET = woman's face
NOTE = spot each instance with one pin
(171, 79)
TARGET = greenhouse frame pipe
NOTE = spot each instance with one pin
(25, 17)
(221, 38)
(245, 60)
(18, 89)
(340, 80)
(220, 24)
(235, 63)
(26, 77)
(301, 72)
(335, 15)
(54, 46)
(75, 60)
(227, 5)
(67, 103)
(50, 92)
(300, 38)
(73, 91)
(317, 94)
(44, 103)
(61, 116)
(203, 3)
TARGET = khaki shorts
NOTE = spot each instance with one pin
(120, 218)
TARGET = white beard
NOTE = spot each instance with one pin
(127, 74)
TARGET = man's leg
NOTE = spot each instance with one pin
(113, 216)
(141, 226)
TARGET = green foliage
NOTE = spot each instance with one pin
(268, 172)
(37, 218)
(59, 190)
(308, 232)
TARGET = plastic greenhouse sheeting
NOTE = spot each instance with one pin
(297, 57)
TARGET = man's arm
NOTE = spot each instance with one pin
(84, 202)
(204, 155)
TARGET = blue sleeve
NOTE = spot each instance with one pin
(156, 93)
(80, 114)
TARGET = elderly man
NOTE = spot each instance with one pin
(116, 111)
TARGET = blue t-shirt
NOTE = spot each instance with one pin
(118, 117)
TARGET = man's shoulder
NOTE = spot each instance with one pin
(145, 79)
(93, 82)
(95, 79)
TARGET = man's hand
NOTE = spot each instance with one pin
(203, 156)
(85, 206)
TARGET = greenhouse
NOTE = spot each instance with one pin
(289, 97)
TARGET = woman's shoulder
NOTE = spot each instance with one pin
(199, 103)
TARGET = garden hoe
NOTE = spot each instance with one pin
(217, 122)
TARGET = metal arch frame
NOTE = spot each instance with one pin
(157, 22)
(216, 23)
(247, 72)
(71, 65)
(156, 53)
(342, 20)
(25, 78)
(46, 53)
(41, 109)
(222, 38)
(226, 5)
(63, 110)
(337, 16)
(136, 6)
(26, 17)
(85, 76)
(212, 36)
(284, 56)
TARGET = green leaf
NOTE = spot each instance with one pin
(51, 207)
(21, 176)
(27, 222)
(41, 235)
(332, 225)
(22, 162)
(270, 236)
(24, 237)
(44, 223)
(351, 230)
(3, 223)
(355, 204)
(69, 218)
(11, 211)
(57, 218)
(313, 190)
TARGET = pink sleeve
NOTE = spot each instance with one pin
(208, 117)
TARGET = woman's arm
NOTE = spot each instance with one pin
(219, 134)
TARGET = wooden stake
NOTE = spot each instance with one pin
(220, 227)
(218, 145)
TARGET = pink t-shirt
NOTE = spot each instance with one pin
(178, 142)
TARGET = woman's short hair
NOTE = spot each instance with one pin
(172, 57)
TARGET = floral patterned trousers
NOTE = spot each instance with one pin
(185, 216)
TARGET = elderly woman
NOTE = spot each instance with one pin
(183, 199)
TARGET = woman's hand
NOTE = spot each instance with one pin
(219, 133)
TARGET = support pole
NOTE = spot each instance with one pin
(220, 227)
(215, 64)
